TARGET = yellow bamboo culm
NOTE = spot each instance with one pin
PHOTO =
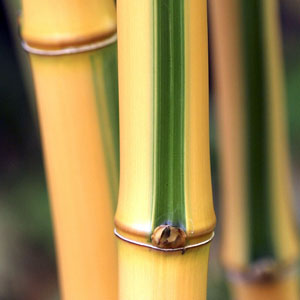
(146, 272)
(272, 274)
(69, 90)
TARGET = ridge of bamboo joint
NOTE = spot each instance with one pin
(59, 24)
(70, 49)
(166, 238)
(285, 288)
(263, 271)
(132, 233)
(265, 279)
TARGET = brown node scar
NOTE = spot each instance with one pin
(168, 237)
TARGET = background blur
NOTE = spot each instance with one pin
(27, 257)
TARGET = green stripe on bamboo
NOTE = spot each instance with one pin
(260, 246)
(258, 186)
(106, 96)
(169, 67)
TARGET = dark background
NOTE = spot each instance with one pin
(27, 259)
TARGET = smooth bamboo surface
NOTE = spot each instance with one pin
(257, 218)
(165, 175)
(77, 172)
(148, 274)
(139, 125)
(226, 48)
(77, 106)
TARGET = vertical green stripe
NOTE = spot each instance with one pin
(110, 69)
(105, 76)
(261, 245)
(169, 67)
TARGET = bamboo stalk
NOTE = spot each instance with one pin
(260, 244)
(78, 113)
(165, 199)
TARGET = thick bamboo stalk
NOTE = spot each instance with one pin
(78, 113)
(165, 171)
(259, 235)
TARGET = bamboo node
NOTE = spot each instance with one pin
(168, 237)
(178, 249)
(69, 49)
(264, 270)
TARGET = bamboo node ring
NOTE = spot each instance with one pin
(69, 49)
(179, 249)
(266, 270)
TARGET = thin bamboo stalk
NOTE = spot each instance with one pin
(78, 113)
(260, 244)
(165, 198)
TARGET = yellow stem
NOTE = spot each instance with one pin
(69, 89)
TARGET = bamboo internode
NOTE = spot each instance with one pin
(258, 227)
(140, 129)
(78, 113)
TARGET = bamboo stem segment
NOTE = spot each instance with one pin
(259, 232)
(146, 126)
(165, 199)
(77, 105)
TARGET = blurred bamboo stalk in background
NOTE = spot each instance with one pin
(259, 240)
(165, 200)
(78, 112)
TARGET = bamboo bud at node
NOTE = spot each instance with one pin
(168, 237)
